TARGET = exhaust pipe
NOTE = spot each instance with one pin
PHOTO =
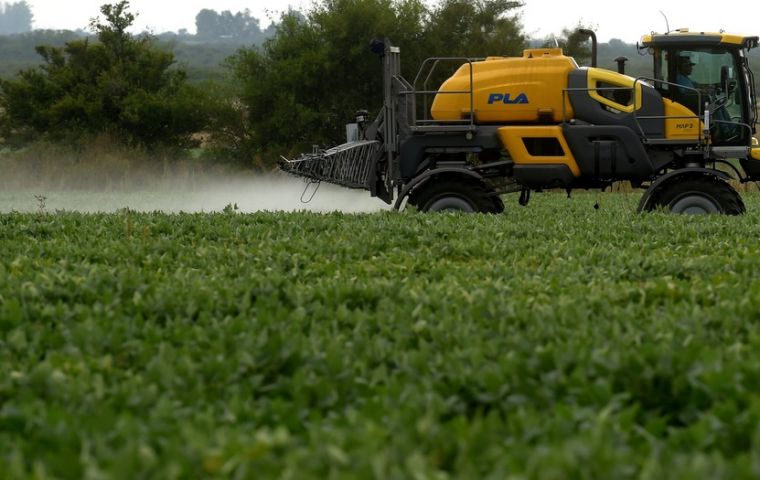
(594, 44)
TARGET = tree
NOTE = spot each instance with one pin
(15, 18)
(239, 27)
(304, 84)
(572, 43)
(207, 24)
(119, 85)
(475, 28)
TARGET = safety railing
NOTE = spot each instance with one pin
(707, 117)
(699, 116)
(426, 123)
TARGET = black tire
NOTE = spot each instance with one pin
(456, 196)
(697, 195)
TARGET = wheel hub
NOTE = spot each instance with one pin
(451, 204)
(694, 204)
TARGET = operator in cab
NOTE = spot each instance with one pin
(685, 68)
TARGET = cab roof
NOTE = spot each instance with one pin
(683, 37)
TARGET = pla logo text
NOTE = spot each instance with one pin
(507, 99)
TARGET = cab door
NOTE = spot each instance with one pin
(712, 77)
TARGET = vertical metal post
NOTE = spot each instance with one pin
(392, 68)
(472, 95)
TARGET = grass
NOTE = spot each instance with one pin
(554, 341)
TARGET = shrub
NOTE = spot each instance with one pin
(119, 85)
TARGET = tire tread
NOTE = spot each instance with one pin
(727, 198)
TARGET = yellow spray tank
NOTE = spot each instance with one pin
(527, 89)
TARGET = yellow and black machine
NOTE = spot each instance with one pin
(537, 122)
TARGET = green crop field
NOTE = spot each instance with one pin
(551, 342)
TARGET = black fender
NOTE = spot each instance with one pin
(429, 175)
(668, 177)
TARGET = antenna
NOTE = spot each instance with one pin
(667, 23)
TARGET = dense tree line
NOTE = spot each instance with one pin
(238, 27)
(18, 52)
(203, 54)
(15, 18)
(201, 60)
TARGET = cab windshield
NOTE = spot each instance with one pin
(705, 76)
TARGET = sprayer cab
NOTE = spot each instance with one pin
(708, 73)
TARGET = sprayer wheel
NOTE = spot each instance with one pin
(698, 195)
(456, 196)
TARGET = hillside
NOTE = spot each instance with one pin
(203, 60)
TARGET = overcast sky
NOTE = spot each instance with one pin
(624, 20)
